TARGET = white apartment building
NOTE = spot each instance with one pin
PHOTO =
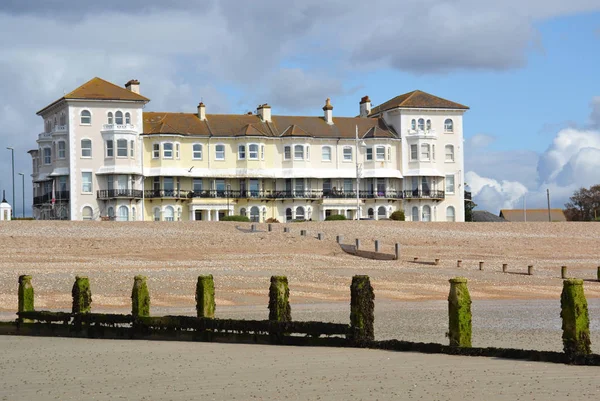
(102, 157)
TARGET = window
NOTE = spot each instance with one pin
(177, 154)
(86, 182)
(371, 213)
(254, 214)
(369, 155)
(241, 152)
(110, 212)
(62, 149)
(448, 125)
(220, 152)
(300, 213)
(450, 184)
(121, 147)
(127, 118)
(381, 213)
(326, 153)
(327, 186)
(243, 211)
(449, 153)
(426, 213)
(288, 214)
(86, 117)
(123, 213)
(197, 185)
(47, 156)
(262, 152)
(63, 119)
(415, 213)
(155, 150)
(86, 148)
(425, 151)
(287, 152)
(132, 149)
(380, 153)
(414, 152)
(298, 152)
(119, 118)
(109, 118)
(156, 214)
(87, 213)
(253, 151)
(421, 124)
(348, 185)
(110, 150)
(167, 150)
(450, 215)
(428, 125)
(347, 154)
(169, 213)
(197, 151)
(413, 124)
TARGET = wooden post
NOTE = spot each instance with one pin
(279, 304)
(376, 245)
(504, 267)
(253, 228)
(205, 297)
(530, 270)
(140, 297)
(339, 239)
(437, 262)
(575, 319)
(286, 229)
(26, 299)
(598, 274)
(357, 244)
(82, 295)
(270, 227)
(362, 310)
(563, 272)
(303, 233)
(459, 312)
(480, 265)
(415, 259)
(459, 263)
(397, 252)
(320, 236)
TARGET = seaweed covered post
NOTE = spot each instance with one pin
(205, 297)
(82, 295)
(575, 319)
(362, 309)
(279, 300)
(563, 272)
(25, 295)
(140, 297)
(459, 311)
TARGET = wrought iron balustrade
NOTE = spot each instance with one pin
(119, 193)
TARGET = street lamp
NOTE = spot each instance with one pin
(228, 187)
(23, 182)
(12, 151)
(358, 167)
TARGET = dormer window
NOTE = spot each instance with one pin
(119, 118)
(448, 125)
(413, 124)
(127, 118)
(110, 118)
(421, 124)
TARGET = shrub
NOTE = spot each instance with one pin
(398, 215)
(299, 221)
(236, 218)
(272, 220)
(335, 217)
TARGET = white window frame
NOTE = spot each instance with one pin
(132, 149)
(82, 148)
(421, 124)
(119, 115)
(250, 151)
(449, 151)
(425, 156)
(453, 216)
(450, 178)
(165, 150)
(413, 124)
(165, 218)
(128, 118)
(377, 149)
(156, 216)
(287, 152)
(49, 155)
(448, 127)
(217, 151)
(345, 154)
(84, 183)
(122, 149)
(369, 154)
(323, 158)
(110, 150)
(196, 154)
(296, 147)
(81, 117)
(414, 156)
(242, 152)
(83, 216)
(110, 119)
(156, 150)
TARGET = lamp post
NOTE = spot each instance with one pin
(12, 151)
(23, 182)
(358, 172)
(228, 187)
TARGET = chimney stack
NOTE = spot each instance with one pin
(201, 111)
(328, 109)
(264, 112)
(365, 106)
(133, 85)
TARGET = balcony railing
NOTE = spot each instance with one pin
(119, 193)
(118, 127)
(468, 195)
(61, 196)
(424, 194)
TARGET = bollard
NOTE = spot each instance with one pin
(530, 270)
(253, 228)
(357, 244)
(415, 259)
(563, 272)
(504, 267)
(140, 297)
(286, 229)
(205, 297)
(598, 273)
(397, 252)
(376, 245)
(279, 304)
(82, 295)
(303, 233)
(459, 312)
(437, 262)
(26, 298)
(339, 239)
(575, 319)
(362, 309)
(459, 263)
(320, 236)
(480, 265)
(270, 227)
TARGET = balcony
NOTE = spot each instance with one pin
(120, 193)
(59, 196)
(118, 128)
(167, 193)
(424, 194)
(59, 129)
(274, 195)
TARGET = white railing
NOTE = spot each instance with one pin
(59, 128)
(118, 127)
(45, 135)
(430, 132)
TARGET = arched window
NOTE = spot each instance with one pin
(127, 118)
(426, 213)
(220, 152)
(450, 215)
(156, 214)
(326, 153)
(87, 213)
(413, 124)
(371, 213)
(449, 153)
(254, 214)
(253, 151)
(169, 213)
(111, 212)
(425, 153)
(288, 214)
(421, 124)
(428, 125)
(119, 118)
(298, 152)
(415, 213)
(243, 211)
(197, 151)
(86, 148)
(123, 213)
(381, 214)
(300, 213)
(86, 117)
(448, 125)
(109, 117)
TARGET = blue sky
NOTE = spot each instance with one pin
(526, 69)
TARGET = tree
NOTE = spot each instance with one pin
(584, 205)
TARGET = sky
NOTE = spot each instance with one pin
(525, 69)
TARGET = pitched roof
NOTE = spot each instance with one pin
(99, 89)
(417, 100)
(483, 216)
(532, 214)
(231, 125)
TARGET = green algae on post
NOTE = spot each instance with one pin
(82, 295)
(575, 319)
(26, 303)
(362, 309)
(459, 312)
(279, 300)
(205, 297)
(140, 297)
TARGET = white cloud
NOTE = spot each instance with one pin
(494, 195)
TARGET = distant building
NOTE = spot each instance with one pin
(5, 209)
(482, 216)
(532, 215)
